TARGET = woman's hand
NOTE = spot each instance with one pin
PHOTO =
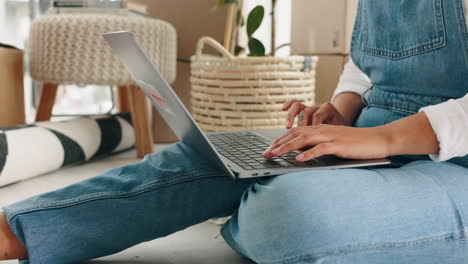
(412, 135)
(341, 141)
(313, 115)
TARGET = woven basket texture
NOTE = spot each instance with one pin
(246, 93)
(70, 49)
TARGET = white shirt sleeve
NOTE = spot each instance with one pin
(352, 80)
(450, 123)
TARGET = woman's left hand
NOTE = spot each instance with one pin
(341, 141)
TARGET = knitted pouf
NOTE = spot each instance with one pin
(70, 49)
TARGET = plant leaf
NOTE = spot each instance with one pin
(254, 20)
(256, 47)
(238, 50)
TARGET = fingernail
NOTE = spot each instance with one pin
(300, 157)
(288, 124)
(275, 151)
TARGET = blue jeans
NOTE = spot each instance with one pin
(412, 214)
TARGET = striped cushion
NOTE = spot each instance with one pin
(32, 150)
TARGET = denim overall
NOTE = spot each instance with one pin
(415, 52)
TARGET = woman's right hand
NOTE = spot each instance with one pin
(312, 115)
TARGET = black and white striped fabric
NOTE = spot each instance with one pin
(32, 150)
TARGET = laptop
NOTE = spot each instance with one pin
(239, 154)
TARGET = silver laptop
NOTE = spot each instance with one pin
(237, 153)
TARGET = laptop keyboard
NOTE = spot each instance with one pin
(246, 148)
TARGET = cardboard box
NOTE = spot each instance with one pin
(322, 26)
(318, 26)
(192, 20)
(351, 12)
(12, 111)
(329, 70)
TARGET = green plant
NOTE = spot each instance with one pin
(254, 20)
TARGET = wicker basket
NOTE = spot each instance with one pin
(247, 93)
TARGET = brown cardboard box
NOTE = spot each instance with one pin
(328, 75)
(322, 26)
(12, 110)
(192, 20)
(351, 12)
(318, 26)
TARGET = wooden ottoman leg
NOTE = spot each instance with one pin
(46, 102)
(143, 137)
(123, 100)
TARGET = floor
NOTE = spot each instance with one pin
(198, 244)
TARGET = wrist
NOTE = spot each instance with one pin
(388, 139)
(349, 105)
(412, 135)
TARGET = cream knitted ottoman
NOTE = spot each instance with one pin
(70, 49)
